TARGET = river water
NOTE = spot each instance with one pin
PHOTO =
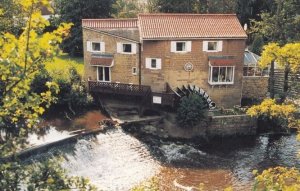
(118, 160)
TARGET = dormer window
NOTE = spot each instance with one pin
(126, 48)
(181, 46)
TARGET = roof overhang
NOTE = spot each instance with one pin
(222, 60)
(109, 34)
(102, 60)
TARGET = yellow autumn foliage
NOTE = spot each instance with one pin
(269, 108)
(278, 179)
(287, 55)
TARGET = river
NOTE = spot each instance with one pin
(118, 159)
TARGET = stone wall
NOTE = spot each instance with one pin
(229, 125)
(255, 87)
(173, 72)
(217, 126)
(123, 63)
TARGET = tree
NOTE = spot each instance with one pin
(125, 9)
(175, 6)
(74, 11)
(11, 17)
(21, 59)
(192, 109)
(286, 57)
(281, 24)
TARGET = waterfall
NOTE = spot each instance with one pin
(113, 161)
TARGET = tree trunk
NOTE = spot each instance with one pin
(285, 83)
(272, 80)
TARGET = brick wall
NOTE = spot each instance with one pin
(255, 87)
(173, 69)
(123, 63)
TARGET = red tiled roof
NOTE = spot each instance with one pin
(110, 23)
(168, 26)
(101, 61)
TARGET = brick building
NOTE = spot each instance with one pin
(165, 56)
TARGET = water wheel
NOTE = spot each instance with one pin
(192, 89)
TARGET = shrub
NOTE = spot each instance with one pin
(73, 92)
(192, 109)
(276, 115)
(278, 178)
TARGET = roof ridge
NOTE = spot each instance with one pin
(192, 14)
(111, 19)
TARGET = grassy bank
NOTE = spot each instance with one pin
(60, 65)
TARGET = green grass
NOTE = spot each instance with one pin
(60, 65)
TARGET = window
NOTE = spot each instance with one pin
(153, 63)
(95, 46)
(126, 48)
(212, 46)
(221, 75)
(134, 71)
(104, 74)
(181, 46)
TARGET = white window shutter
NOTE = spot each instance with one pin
(158, 63)
(102, 44)
(189, 46)
(133, 47)
(119, 47)
(205, 45)
(220, 45)
(148, 62)
(89, 46)
(173, 46)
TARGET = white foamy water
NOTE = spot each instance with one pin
(50, 136)
(115, 161)
(174, 152)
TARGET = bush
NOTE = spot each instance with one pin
(192, 109)
(73, 92)
(274, 115)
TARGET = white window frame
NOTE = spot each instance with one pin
(103, 72)
(219, 46)
(90, 46)
(132, 70)
(210, 71)
(149, 63)
(120, 48)
(187, 46)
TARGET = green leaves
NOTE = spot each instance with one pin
(192, 110)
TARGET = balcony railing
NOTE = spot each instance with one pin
(119, 88)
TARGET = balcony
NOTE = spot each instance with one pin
(119, 88)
